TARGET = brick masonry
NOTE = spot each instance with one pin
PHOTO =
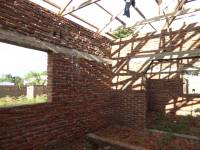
(129, 108)
(79, 91)
(30, 19)
(80, 103)
(12, 90)
(161, 92)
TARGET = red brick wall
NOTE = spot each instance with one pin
(161, 92)
(128, 74)
(79, 93)
(80, 103)
(12, 90)
(32, 20)
(129, 108)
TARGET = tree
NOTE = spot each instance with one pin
(12, 79)
(36, 78)
(122, 32)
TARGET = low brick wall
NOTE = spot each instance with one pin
(186, 141)
(12, 90)
(98, 142)
(161, 92)
(129, 108)
(79, 103)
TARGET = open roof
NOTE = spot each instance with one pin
(105, 16)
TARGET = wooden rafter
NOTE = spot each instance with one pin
(117, 18)
(143, 16)
(157, 2)
(162, 17)
(75, 8)
(111, 20)
(52, 4)
(111, 35)
(178, 8)
(171, 55)
(65, 7)
(77, 17)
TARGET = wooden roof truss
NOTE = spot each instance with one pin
(169, 18)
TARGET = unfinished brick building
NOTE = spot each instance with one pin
(96, 82)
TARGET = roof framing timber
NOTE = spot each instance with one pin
(111, 20)
(52, 4)
(162, 17)
(170, 17)
(111, 35)
(65, 7)
(178, 8)
(171, 55)
(143, 16)
(75, 8)
(117, 18)
(77, 17)
(73, 15)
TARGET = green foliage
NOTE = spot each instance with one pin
(176, 147)
(36, 78)
(32, 78)
(182, 126)
(197, 110)
(165, 140)
(12, 79)
(21, 100)
(90, 146)
(192, 72)
(123, 32)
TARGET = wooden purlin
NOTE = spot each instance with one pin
(111, 35)
(143, 16)
(75, 8)
(52, 4)
(111, 20)
(170, 20)
(65, 7)
(73, 15)
(170, 55)
(117, 18)
(162, 17)
(77, 17)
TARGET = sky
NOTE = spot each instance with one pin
(18, 60)
(99, 18)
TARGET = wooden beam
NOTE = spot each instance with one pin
(143, 16)
(16, 38)
(166, 55)
(168, 72)
(111, 35)
(65, 7)
(111, 20)
(117, 18)
(178, 8)
(171, 55)
(52, 4)
(75, 16)
(75, 8)
(157, 2)
(162, 17)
